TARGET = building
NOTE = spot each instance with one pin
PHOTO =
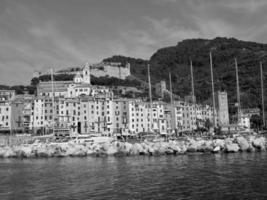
(84, 76)
(60, 88)
(5, 116)
(76, 90)
(190, 99)
(244, 121)
(6, 95)
(222, 108)
(160, 88)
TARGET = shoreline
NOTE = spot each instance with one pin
(239, 143)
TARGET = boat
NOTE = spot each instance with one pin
(91, 138)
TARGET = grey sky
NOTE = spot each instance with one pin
(40, 34)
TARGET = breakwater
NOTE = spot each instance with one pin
(115, 148)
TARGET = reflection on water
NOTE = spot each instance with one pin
(221, 176)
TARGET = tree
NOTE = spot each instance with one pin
(256, 122)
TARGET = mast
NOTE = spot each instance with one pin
(193, 91)
(170, 78)
(238, 93)
(150, 95)
(53, 102)
(262, 95)
(212, 85)
(192, 82)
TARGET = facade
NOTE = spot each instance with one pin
(222, 108)
(244, 121)
(5, 116)
(6, 95)
(44, 89)
(161, 88)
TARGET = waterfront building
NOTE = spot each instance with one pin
(21, 113)
(38, 114)
(120, 117)
(244, 120)
(222, 108)
(5, 116)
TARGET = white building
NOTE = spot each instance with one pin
(5, 116)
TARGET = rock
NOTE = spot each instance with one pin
(216, 149)
(231, 147)
(259, 143)
(136, 149)
(243, 143)
(219, 143)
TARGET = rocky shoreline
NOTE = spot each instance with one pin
(235, 144)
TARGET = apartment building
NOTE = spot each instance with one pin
(5, 116)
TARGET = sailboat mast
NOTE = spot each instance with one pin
(262, 96)
(53, 102)
(170, 79)
(212, 85)
(193, 92)
(237, 92)
(192, 82)
(150, 95)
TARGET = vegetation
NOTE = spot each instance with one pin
(256, 122)
(175, 59)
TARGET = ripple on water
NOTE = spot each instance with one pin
(220, 176)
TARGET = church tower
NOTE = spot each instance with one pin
(86, 74)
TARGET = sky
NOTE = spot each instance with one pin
(37, 35)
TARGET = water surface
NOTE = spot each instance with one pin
(206, 176)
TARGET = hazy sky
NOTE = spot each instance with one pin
(40, 34)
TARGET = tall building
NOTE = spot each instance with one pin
(161, 88)
(222, 108)
(5, 116)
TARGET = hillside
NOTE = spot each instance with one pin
(175, 59)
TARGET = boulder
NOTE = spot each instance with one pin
(231, 147)
(259, 143)
(243, 143)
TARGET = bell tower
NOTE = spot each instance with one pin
(86, 74)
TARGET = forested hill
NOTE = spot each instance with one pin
(175, 59)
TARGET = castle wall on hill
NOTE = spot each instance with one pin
(111, 71)
(100, 70)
